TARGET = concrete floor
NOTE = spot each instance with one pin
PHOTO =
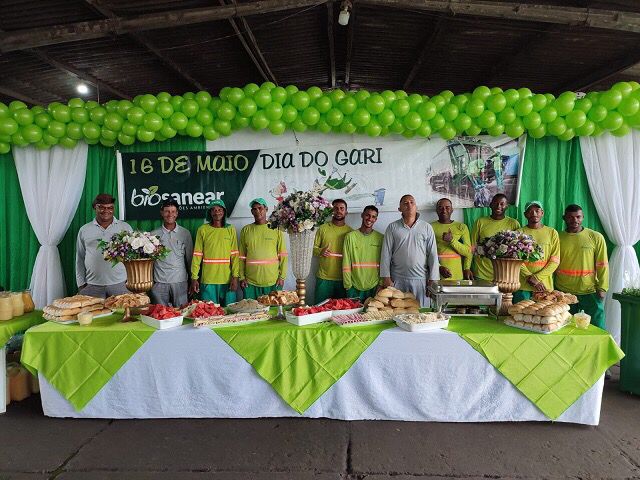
(36, 447)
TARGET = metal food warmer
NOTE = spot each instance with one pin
(465, 297)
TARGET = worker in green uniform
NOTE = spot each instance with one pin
(361, 257)
(263, 254)
(328, 248)
(453, 242)
(487, 227)
(584, 266)
(537, 276)
(215, 264)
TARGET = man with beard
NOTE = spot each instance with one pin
(537, 276)
(454, 244)
(95, 276)
(171, 274)
(409, 259)
(263, 254)
(361, 260)
(584, 266)
(214, 268)
(487, 227)
(328, 248)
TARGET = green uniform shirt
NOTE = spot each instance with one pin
(332, 237)
(543, 269)
(584, 267)
(457, 255)
(361, 260)
(263, 255)
(483, 228)
(216, 251)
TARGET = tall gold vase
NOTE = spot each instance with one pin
(506, 275)
(139, 275)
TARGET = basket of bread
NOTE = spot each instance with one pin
(66, 310)
(556, 296)
(543, 316)
(127, 300)
(277, 298)
(391, 301)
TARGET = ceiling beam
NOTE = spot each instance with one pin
(72, 32)
(18, 95)
(587, 17)
(583, 82)
(103, 10)
(74, 72)
(332, 48)
(424, 52)
(350, 34)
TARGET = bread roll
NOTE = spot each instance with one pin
(376, 304)
(372, 309)
(536, 319)
(526, 318)
(409, 296)
(397, 303)
(397, 294)
(383, 300)
(518, 317)
(385, 292)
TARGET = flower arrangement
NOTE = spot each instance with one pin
(510, 244)
(125, 246)
(300, 211)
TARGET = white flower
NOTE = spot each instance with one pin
(308, 224)
(149, 248)
(137, 243)
(155, 241)
(126, 239)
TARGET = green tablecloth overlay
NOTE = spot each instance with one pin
(79, 360)
(300, 363)
(19, 324)
(553, 370)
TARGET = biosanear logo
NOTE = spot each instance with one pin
(149, 197)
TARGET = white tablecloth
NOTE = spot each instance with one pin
(432, 376)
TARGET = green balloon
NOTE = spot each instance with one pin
(78, 115)
(586, 129)
(621, 131)
(628, 106)
(597, 113)
(362, 95)
(437, 122)
(57, 129)
(438, 101)
(75, 102)
(23, 116)
(612, 121)
(336, 96)
(299, 126)
(8, 126)
(322, 125)
(347, 126)
(108, 134)
(148, 103)
(249, 89)
(532, 121)
(427, 110)
(550, 98)
(279, 95)
(334, 117)
(123, 107)
(486, 119)
(415, 100)
(277, 127)
(17, 105)
(538, 132)
(97, 115)
(583, 104)
(557, 127)
(633, 120)
(67, 142)
(398, 127)
(400, 107)
(135, 115)
(289, 113)
(162, 97)
(90, 130)
(515, 128)
(129, 128)
(190, 107)
(74, 131)
(447, 132)
(361, 117)
(459, 101)
(524, 93)
(111, 106)
(496, 103)
(348, 105)
(523, 107)
(176, 102)
(291, 89)
(450, 112)
(507, 116)
(576, 119)
(178, 121)
(401, 94)
(481, 93)
(247, 107)
(210, 133)
(164, 109)
(263, 97)
(548, 114)
(474, 107)
(322, 104)
(409, 134)
(389, 97)
(234, 96)
(424, 130)
(273, 111)
(473, 130)
(512, 96)
(373, 129)
(310, 116)
(496, 130)
(597, 131)
(114, 122)
(204, 117)
(204, 98)
(624, 88)
(386, 118)
(610, 99)
(4, 148)
(259, 121)
(412, 120)
(125, 139)
(31, 133)
(538, 101)
(51, 141)
(167, 130)
(226, 111)
(43, 119)
(568, 134)
(145, 135)
(314, 92)
(152, 122)
(301, 100)
(194, 129)
(463, 121)
(4, 111)
(563, 105)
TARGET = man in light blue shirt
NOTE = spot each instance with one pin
(170, 275)
(94, 275)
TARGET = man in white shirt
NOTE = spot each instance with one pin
(94, 275)
(170, 275)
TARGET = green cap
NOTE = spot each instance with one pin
(217, 203)
(259, 200)
(533, 203)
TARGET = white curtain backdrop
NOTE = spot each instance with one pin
(51, 182)
(613, 171)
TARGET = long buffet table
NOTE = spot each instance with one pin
(193, 372)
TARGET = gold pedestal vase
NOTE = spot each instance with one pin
(139, 280)
(300, 256)
(506, 275)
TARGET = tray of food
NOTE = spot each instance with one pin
(232, 320)
(537, 328)
(465, 286)
(361, 319)
(202, 309)
(308, 315)
(544, 316)
(161, 317)
(556, 297)
(118, 303)
(247, 306)
(65, 310)
(392, 301)
(341, 306)
(422, 322)
(279, 297)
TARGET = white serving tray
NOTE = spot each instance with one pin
(308, 319)
(162, 324)
(422, 327)
(71, 322)
(234, 324)
(529, 329)
(264, 308)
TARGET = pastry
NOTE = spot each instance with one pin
(385, 293)
(77, 301)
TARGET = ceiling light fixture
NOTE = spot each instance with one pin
(82, 89)
(345, 7)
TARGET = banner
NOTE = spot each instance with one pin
(468, 170)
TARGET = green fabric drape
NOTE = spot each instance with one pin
(101, 177)
(18, 242)
(553, 173)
